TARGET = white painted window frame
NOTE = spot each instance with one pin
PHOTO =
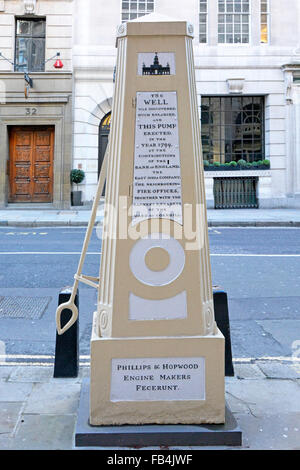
(206, 21)
(235, 44)
(138, 2)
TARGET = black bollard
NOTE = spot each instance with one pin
(222, 320)
(67, 345)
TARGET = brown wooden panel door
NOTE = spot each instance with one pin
(31, 164)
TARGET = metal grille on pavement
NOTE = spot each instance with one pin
(23, 307)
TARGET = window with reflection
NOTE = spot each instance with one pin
(232, 128)
(132, 9)
(264, 21)
(30, 45)
(233, 21)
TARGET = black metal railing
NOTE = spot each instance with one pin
(236, 193)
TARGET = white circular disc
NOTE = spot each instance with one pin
(157, 278)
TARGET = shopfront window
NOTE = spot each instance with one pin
(232, 128)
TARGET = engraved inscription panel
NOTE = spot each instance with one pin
(158, 379)
(157, 177)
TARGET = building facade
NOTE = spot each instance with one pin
(247, 62)
(35, 103)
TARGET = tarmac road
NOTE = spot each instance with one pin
(259, 268)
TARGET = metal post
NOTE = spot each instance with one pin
(222, 320)
(67, 345)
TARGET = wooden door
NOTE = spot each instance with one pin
(31, 164)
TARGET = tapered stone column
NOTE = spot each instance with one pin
(157, 355)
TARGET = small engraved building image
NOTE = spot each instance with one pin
(156, 68)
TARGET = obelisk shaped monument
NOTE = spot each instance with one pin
(157, 355)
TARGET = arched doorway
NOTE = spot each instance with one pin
(104, 129)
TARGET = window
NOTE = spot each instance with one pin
(203, 21)
(104, 130)
(264, 21)
(132, 9)
(30, 45)
(232, 128)
(233, 21)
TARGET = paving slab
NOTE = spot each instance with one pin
(13, 392)
(277, 370)
(58, 398)
(270, 432)
(45, 432)
(249, 339)
(9, 415)
(248, 371)
(289, 336)
(31, 374)
(5, 372)
(236, 404)
(263, 397)
(6, 442)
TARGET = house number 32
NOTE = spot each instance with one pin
(31, 111)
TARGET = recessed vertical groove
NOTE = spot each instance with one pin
(109, 243)
(199, 180)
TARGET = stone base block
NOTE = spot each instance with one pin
(174, 380)
(228, 434)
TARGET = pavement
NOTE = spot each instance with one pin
(79, 216)
(39, 412)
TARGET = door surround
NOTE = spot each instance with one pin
(49, 103)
